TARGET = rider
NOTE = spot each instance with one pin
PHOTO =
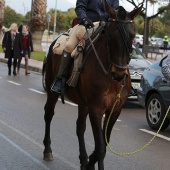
(88, 11)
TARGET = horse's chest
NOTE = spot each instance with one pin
(116, 96)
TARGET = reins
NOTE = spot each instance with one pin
(97, 56)
(107, 123)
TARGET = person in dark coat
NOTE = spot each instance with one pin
(27, 48)
(12, 47)
(88, 12)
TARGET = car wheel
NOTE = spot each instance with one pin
(155, 112)
(43, 78)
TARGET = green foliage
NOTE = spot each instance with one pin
(10, 16)
(38, 56)
(165, 21)
(139, 25)
(1, 49)
(69, 16)
(63, 20)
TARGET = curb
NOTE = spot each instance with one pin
(31, 68)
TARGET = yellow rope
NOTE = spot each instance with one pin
(140, 149)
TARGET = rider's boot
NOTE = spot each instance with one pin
(62, 73)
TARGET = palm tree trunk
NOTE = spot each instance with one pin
(2, 6)
(38, 22)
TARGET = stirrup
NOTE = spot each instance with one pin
(56, 86)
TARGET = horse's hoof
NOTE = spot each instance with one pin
(82, 168)
(89, 167)
(48, 156)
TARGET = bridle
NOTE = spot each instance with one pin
(125, 40)
(127, 44)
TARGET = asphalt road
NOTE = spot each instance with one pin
(22, 99)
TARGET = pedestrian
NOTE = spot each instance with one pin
(12, 47)
(88, 12)
(27, 48)
(165, 41)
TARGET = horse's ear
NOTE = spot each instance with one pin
(135, 12)
(110, 10)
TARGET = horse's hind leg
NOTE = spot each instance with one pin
(49, 112)
(81, 127)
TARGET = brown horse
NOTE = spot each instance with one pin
(98, 85)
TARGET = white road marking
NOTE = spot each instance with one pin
(38, 144)
(153, 133)
(40, 92)
(70, 103)
(23, 151)
(14, 83)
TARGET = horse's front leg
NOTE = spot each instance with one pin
(100, 148)
(81, 127)
(111, 123)
(49, 112)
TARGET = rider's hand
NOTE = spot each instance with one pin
(88, 23)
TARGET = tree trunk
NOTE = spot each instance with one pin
(37, 38)
(2, 6)
(38, 22)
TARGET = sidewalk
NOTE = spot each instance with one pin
(34, 65)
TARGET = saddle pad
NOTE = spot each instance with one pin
(60, 44)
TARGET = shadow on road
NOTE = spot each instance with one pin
(132, 104)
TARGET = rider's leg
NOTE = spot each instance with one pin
(65, 61)
(62, 73)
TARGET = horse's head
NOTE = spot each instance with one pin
(120, 33)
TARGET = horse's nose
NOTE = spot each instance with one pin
(119, 71)
(118, 77)
(119, 74)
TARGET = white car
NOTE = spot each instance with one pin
(139, 40)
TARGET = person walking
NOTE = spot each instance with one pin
(88, 11)
(27, 48)
(165, 41)
(12, 47)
